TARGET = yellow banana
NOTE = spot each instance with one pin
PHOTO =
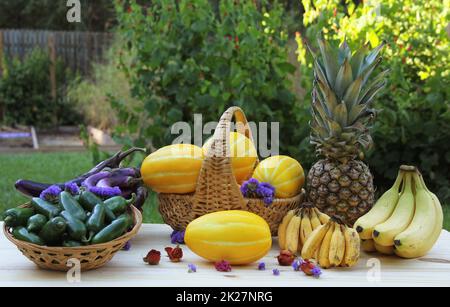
(314, 241)
(292, 234)
(282, 229)
(324, 249)
(425, 227)
(305, 226)
(380, 212)
(384, 233)
(315, 222)
(337, 246)
(368, 246)
(352, 247)
(386, 250)
(322, 216)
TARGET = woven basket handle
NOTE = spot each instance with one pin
(217, 188)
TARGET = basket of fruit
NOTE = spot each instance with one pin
(223, 175)
(87, 219)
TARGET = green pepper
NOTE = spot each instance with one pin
(36, 222)
(75, 228)
(53, 231)
(71, 243)
(129, 218)
(96, 221)
(89, 200)
(112, 231)
(119, 204)
(72, 206)
(21, 233)
(17, 216)
(44, 207)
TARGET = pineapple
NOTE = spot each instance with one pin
(340, 183)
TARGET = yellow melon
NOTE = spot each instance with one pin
(239, 237)
(282, 172)
(243, 155)
(173, 168)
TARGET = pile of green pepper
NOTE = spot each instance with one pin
(71, 220)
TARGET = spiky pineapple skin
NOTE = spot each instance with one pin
(343, 190)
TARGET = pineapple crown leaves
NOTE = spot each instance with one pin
(342, 98)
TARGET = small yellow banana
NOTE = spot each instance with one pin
(352, 247)
(368, 246)
(337, 246)
(386, 250)
(282, 229)
(380, 212)
(384, 233)
(292, 234)
(324, 249)
(315, 222)
(425, 227)
(305, 226)
(314, 241)
(322, 216)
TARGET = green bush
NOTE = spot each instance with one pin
(91, 95)
(191, 57)
(25, 95)
(413, 126)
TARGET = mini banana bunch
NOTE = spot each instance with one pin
(407, 222)
(297, 225)
(333, 244)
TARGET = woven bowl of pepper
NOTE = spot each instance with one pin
(63, 258)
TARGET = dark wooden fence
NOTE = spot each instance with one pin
(78, 50)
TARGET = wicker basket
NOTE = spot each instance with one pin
(90, 256)
(217, 188)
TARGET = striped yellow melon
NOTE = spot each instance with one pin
(283, 172)
(243, 155)
(173, 168)
(239, 237)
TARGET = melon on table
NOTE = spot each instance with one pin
(173, 168)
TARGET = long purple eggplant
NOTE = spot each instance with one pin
(33, 188)
(141, 196)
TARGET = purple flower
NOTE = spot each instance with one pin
(223, 266)
(276, 272)
(192, 268)
(51, 193)
(261, 266)
(316, 272)
(177, 237)
(255, 189)
(105, 191)
(127, 246)
(296, 265)
(72, 188)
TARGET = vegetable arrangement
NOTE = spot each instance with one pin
(93, 208)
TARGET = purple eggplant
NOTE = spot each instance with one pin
(126, 171)
(93, 179)
(141, 196)
(120, 181)
(33, 188)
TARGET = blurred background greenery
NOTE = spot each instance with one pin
(171, 59)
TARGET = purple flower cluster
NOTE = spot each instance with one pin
(105, 191)
(192, 268)
(127, 246)
(261, 266)
(254, 188)
(51, 193)
(72, 188)
(177, 237)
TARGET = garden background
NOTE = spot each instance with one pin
(171, 59)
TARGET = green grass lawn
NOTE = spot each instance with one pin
(50, 167)
(59, 167)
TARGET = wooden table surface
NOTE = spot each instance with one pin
(128, 269)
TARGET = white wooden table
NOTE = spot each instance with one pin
(128, 269)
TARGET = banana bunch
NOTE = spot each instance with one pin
(333, 244)
(297, 225)
(404, 222)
